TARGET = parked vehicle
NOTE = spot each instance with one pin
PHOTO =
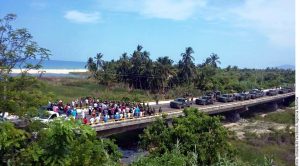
(272, 92)
(255, 93)
(285, 90)
(252, 95)
(204, 100)
(180, 103)
(226, 98)
(218, 94)
(214, 95)
(47, 116)
(246, 96)
(238, 97)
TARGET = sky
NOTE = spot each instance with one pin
(245, 33)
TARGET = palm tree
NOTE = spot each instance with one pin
(214, 60)
(99, 61)
(91, 65)
(123, 68)
(187, 65)
(165, 70)
(139, 48)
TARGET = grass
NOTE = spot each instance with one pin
(285, 117)
(69, 89)
(280, 146)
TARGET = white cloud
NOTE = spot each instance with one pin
(81, 17)
(170, 9)
(275, 19)
(164, 9)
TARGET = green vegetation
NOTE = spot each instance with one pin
(196, 133)
(285, 117)
(61, 143)
(198, 139)
(139, 71)
(279, 145)
(20, 96)
(69, 89)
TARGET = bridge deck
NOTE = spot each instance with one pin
(209, 109)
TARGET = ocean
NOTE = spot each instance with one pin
(58, 64)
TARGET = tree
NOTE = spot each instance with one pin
(123, 68)
(61, 143)
(195, 131)
(23, 97)
(91, 66)
(187, 66)
(17, 49)
(99, 61)
(214, 60)
(166, 70)
(12, 140)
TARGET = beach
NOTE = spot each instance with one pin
(51, 71)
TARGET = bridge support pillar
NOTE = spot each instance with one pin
(288, 101)
(273, 106)
(233, 116)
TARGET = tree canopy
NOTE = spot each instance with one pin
(195, 132)
(139, 71)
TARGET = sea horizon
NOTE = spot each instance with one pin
(59, 64)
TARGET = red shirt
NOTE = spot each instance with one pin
(85, 121)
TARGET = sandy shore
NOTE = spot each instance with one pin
(51, 71)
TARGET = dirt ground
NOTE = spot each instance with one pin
(255, 126)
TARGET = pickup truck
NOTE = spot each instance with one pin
(226, 98)
(204, 100)
(180, 103)
(47, 116)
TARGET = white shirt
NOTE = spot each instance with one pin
(98, 119)
(95, 105)
(83, 113)
(92, 120)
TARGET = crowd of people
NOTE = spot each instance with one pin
(92, 111)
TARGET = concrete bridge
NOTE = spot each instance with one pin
(230, 110)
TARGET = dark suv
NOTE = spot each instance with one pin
(180, 103)
(238, 97)
(272, 92)
(204, 100)
(226, 98)
(255, 93)
(246, 96)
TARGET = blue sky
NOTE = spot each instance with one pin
(246, 33)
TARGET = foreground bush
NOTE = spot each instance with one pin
(195, 132)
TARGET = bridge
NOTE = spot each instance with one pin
(230, 110)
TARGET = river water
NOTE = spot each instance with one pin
(128, 145)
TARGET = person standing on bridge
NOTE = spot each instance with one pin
(85, 121)
(83, 113)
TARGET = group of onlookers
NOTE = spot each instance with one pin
(93, 110)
